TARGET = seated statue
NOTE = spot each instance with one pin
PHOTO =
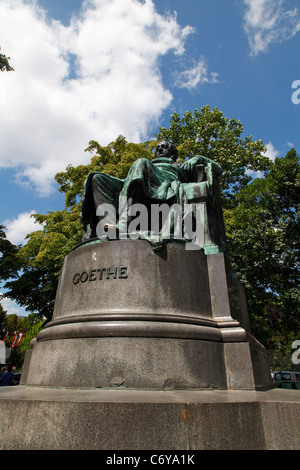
(110, 205)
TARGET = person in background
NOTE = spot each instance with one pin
(3, 369)
(8, 377)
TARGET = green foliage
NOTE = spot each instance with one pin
(14, 324)
(115, 159)
(8, 260)
(210, 134)
(263, 233)
(41, 259)
(4, 64)
(3, 322)
(30, 326)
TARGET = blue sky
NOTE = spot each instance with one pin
(100, 68)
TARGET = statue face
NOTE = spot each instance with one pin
(165, 149)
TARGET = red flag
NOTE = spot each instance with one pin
(5, 335)
(16, 343)
(14, 340)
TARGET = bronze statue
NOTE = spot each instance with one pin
(108, 202)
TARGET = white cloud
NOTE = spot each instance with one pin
(11, 307)
(255, 174)
(51, 112)
(271, 152)
(197, 74)
(290, 144)
(18, 228)
(267, 22)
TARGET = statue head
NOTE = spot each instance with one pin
(166, 149)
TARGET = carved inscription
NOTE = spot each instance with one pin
(118, 272)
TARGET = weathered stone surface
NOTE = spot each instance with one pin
(155, 321)
(62, 419)
(127, 277)
(141, 363)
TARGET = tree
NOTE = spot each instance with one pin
(114, 159)
(41, 258)
(8, 260)
(3, 322)
(4, 64)
(14, 326)
(31, 326)
(208, 133)
(263, 233)
(10, 325)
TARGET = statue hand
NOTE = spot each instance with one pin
(191, 163)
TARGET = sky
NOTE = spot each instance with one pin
(95, 69)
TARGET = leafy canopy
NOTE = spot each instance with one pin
(263, 241)
(210, 134)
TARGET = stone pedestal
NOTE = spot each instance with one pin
(128, 316)
(147, 351)
(34, 418)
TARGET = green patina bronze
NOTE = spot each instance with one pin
(162, 181)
